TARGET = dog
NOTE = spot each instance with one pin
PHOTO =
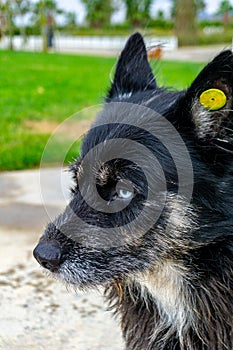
(151, 213)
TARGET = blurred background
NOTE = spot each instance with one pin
(56, 61)
(193, 21)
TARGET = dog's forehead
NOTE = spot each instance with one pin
(102, 170)
(130, 132)
(127, 120)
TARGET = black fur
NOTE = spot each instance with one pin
(170, 283)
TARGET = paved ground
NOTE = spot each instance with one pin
(196, 54)
(37, 312)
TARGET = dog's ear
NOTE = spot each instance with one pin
(210, 101)
(133, 72)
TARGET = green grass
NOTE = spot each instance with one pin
(39, 87)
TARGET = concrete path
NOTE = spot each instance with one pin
(36, 311)
(195, 54)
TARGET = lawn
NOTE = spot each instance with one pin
(39, 91)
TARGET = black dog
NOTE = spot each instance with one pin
(151, 213)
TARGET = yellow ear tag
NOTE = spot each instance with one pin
(213, 99)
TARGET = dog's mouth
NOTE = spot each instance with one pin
(78, 273)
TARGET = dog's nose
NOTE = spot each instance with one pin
(48, 254)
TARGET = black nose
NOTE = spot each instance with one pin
(48, 254)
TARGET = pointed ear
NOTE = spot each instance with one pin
(210, 99)
(133, 72)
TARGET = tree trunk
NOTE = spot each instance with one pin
(10, 31)
(44, 38)
(185, 22)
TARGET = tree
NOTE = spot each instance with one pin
(22, 7)
(224, 10)
(9, 11)
(70, 19)
(7, 18)
(200, 5)
(185, 22)
(98, 12)
(138, 11)
(44, 15)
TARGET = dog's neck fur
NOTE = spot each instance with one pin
(162, 310)
(167, 292)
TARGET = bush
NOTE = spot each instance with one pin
(205, 23)
(160, 24)
(217, 38)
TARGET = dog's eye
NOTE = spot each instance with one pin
(125, 190)
(125, 194)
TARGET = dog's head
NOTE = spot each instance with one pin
(153, 180)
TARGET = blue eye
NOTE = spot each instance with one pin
(124, 194)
